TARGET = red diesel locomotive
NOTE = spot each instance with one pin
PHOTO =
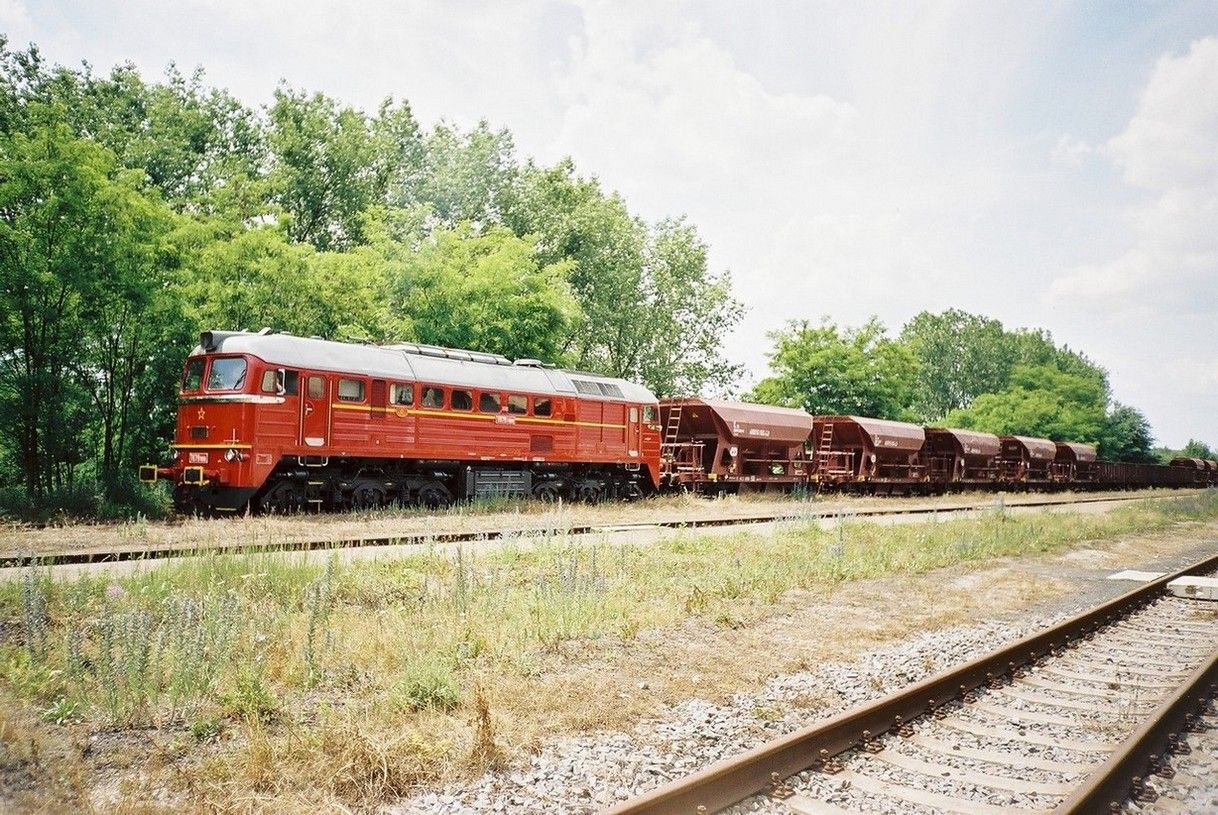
(280, 423)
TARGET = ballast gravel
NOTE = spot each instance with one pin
(1193, 788)
(589, 773)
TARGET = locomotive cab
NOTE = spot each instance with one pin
(218, 399)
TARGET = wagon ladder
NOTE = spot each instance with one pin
(674, 423)
(826, 445)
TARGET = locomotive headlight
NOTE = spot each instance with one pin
(231, 454)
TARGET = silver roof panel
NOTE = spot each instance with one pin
(408, 361)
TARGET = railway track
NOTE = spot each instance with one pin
(419, 539)
(1091, 715)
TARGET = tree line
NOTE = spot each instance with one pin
(962, 370)
(134, 213)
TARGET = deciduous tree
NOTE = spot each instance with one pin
(825, 369)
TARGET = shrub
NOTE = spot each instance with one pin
(425, 685)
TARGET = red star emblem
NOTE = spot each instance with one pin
(200, 414)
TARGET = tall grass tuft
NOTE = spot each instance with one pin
(318, 604)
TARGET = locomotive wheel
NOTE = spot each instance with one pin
(284, 498)
(590, 492)
(434, 495)
(184, 500)
(367, 495)
(549, 491)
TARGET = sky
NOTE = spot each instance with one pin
(1048, 164)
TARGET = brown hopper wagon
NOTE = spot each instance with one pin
(872, 455)
(1198, 468)
(960, 459)
(1025, 461)
(1074, 464)
(717, 446)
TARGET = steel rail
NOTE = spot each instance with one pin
(733, 779)
(419, 539)
(1110, 784)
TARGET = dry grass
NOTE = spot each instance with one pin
(263, 683)
(41, 768)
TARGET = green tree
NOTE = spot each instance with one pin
(1126, 435)
(331, 163)
(1199, 449)
(827, 370)
(487, 292)
(197, 145)
(676, 347)
(574, 220)
(468, 176)
(254, 278)
(960, 356)
(80, 255)
(649, 307)
(1040, 400)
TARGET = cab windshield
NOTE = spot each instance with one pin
(227, 374)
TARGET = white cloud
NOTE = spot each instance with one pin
(15, 22)
(1172, 140)
(1071, 152)
(1156, 300)
(1170, 150)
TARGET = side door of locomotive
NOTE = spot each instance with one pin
(634, 432)
(315, 411)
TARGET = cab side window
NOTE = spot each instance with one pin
(542, 406)
(518, 404)
(488, 402)
(280, 381)
(462, 400)
(192, 379)
(649, 414)
(433, 397)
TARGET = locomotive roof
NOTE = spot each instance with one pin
(421, 363)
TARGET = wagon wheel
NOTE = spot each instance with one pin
(366, 495)
(434, 495)
(549, 491)
(284, 498)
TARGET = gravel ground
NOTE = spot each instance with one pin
(590, 773)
